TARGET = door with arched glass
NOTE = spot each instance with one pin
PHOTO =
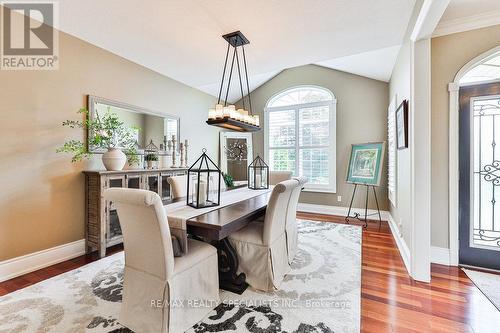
(479, 137)
(299, 132)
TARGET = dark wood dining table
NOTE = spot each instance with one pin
(215, 226)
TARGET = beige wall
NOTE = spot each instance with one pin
(42, 193)
(400, 87)
(449, 54)
(361, 117)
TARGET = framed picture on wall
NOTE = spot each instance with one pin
(402, 125)
(365, 163)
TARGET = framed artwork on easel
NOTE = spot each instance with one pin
(365, 169)
(365, 163)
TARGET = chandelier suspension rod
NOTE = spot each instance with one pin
(229, 81)
(246, 75)
(223, 75)
(239, 75)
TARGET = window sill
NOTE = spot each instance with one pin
(319, 190)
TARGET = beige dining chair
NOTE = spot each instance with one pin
(291, 219)
(178, 186)
(276, 177)
(153, 278)
(261, 247)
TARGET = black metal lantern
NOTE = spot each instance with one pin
(203, 183)
(258, 174)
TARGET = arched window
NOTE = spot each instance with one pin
(300, 135)
(488, 70)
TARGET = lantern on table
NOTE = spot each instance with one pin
(258, 174)
(203, 183)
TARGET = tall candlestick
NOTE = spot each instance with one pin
(181, 150)
(173, 151)
(186, 153)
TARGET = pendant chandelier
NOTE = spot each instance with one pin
(226, 115)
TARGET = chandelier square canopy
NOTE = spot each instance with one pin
(227, 116)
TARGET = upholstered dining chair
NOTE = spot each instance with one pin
(291, 219)
(261, 247)
(153, 278)
(276, 177)
(178, 186)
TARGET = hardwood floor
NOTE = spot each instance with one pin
(391, 301)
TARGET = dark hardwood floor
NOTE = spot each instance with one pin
(390, 300)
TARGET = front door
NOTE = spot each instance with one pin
(479, 215)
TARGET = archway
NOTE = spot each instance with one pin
(461, 78)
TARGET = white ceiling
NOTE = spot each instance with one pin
(458, 9)
(464, 15)
(182, 38)
(377, 64)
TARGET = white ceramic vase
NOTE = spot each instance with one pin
(114, 159)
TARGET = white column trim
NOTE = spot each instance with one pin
(428, 18)
(420, 160)
(453, 173)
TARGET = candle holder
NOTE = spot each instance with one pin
(173, 151)
(203, 183)
(186, 153)
(258, 174)
(181, 151)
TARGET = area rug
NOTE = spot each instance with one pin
(320, 294)
(489, 284)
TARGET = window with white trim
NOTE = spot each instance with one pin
(300, 130)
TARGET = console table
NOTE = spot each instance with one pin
(102, 227)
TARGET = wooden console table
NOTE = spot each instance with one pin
(102, 227)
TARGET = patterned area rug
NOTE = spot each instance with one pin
(321, 294)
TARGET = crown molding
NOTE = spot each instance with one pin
(467, 23)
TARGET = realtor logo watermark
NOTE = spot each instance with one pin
(29, 36)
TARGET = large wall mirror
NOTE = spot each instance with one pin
(150, 126)
(235, 155)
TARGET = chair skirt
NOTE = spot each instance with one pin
(265, 266)
(154, 305)
(292, 241)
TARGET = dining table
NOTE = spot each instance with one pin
(237, 208)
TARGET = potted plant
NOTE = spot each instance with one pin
(106, 133)
(151, 159)
(228, 179)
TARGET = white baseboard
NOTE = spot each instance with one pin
(401, 243)
(440, 255)
(339, 211)
(31, 262)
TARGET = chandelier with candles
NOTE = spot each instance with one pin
(227, 115)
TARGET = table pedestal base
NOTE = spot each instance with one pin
(229, 279)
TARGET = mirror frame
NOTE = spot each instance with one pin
(223, 158)
(92, 100)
